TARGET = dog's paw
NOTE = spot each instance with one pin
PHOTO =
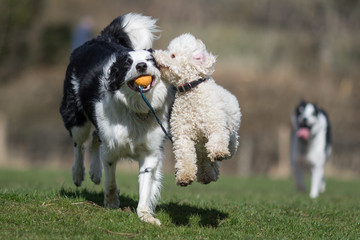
(111, 199)
(207, 178)
(208, 172)
(219, 154)
(314, 195)
(78, 174)
(147, 217)
(184, 179)
(95, 176)
(183, 183)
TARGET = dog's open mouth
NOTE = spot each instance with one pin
(303, 133)
(146, 87)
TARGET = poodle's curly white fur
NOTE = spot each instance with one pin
(205, 120)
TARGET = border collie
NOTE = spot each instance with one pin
(311, 146)
(100, 90)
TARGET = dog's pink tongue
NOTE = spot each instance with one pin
(303, 133)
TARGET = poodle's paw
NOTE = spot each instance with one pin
(209, 174)
(207, 178)
(111, 199)
(219, 154)
(184, 178)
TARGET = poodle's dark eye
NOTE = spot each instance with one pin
(172, 55)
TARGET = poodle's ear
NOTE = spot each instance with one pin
(199, 57)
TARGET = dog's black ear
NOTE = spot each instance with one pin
(301, 105)
(118, 71)
(316, 109)
(114, 78)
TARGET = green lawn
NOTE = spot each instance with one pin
(44, 204)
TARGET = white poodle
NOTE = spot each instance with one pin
(205, 117)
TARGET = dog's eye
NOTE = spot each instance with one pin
(172, 55)
(128, 63)
(151, 60)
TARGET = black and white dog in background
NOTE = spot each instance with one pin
(99, 90)
(311, 146)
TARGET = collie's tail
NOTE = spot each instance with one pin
(133, 30)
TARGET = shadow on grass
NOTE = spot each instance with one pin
(180, 214)
(97, 197)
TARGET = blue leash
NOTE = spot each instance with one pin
(153, 111)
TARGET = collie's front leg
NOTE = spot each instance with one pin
(149, 188)
(317, 175)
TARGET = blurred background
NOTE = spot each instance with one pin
(271, 54)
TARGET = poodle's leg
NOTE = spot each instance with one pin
(111, 195)
(185, 158)
(233, 145)
(207, 171)
(149, 188)
(79, 135)
(218, 144)
(95, 166)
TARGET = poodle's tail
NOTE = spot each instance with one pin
(132, 30)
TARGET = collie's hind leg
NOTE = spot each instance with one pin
(79, 135)
(95, 166)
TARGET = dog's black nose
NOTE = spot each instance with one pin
(304, 122)
(141, 67)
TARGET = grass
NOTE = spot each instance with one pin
(44, 204)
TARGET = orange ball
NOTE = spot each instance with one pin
(143, 81)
